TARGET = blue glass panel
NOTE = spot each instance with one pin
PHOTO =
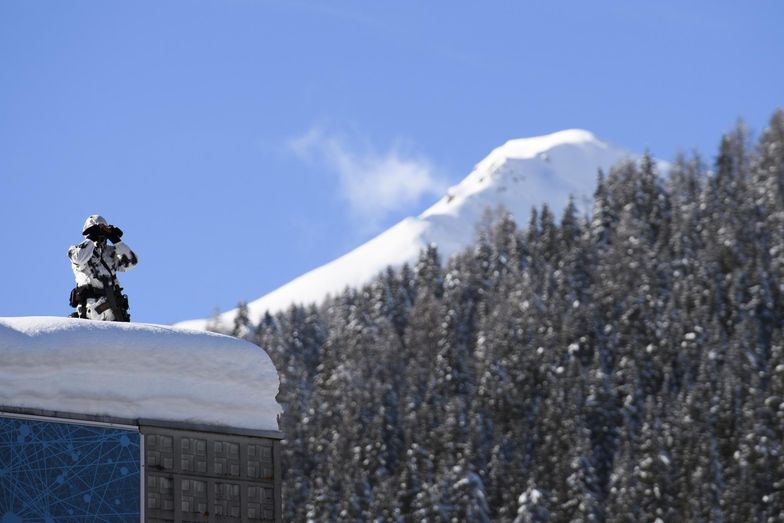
(58, 472)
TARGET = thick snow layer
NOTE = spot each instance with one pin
(131, 370)
(519, 175)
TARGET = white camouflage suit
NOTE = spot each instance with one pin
(94, 262)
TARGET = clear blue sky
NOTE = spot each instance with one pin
(236, 141)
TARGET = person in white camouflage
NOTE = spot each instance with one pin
(95, 263)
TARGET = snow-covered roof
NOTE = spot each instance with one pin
(136, 371)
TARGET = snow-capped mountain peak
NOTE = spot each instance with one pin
(528, 172)
(519, 175)
(527, 148)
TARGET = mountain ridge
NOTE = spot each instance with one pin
(520, 174)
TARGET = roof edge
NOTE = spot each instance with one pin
(138, 424)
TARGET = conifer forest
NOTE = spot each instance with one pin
(622, 366)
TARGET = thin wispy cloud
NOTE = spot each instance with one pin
(373, 182)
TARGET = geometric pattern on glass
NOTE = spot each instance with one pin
(57, 472)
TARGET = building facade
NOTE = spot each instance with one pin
(61, 467)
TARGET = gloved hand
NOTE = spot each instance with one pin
(114, 233)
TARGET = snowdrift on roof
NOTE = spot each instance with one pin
(136, 371)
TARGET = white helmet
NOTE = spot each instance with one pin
(92, 220)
